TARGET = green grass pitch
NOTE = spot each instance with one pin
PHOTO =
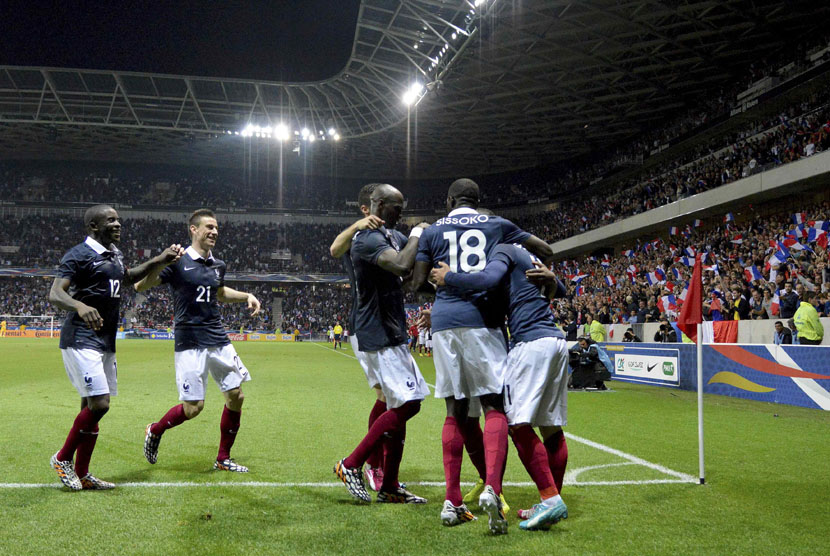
(768, 468)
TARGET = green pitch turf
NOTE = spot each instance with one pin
(768, 468)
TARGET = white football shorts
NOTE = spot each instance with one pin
(536, 383)
(469, 362)
(371, 377)
(193, 366)
(91, 372)
(421, 337)
(397, 374)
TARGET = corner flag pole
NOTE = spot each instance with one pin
(700, 400)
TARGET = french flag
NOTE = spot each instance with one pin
(712, 267)
(814, 233)
(584, 219)
(676, 273)
(688, 261)
(610, 280)
(660, 273)
(799, 218)
(690, 251)
(697, 223)
(752, 273)
(729, 217)
(628, 253)
(667, 303)
(682, 297)
(580, 291)
(578, 277)
(632, 270)
(674, 230)
(739, 239)
(652, 278)
(776, 303)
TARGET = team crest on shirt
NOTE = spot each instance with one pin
(394, 241)
(216, 270)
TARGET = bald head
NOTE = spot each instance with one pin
(463, 193)
(96, 214)
(387, 203)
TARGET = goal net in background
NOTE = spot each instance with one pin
(30, 326)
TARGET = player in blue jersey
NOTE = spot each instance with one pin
(536, 369)
(88, 285)
(381, 258)
(468, 345)
(202, 346)
(339, 249)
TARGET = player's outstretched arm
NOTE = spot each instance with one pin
(146, 275)
(60, 298)
(400, 262)
(540, 248)
(488, 278)
(341, 244)
(230, 295)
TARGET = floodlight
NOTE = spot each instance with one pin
(332, 131)
(412, 94)
(478, 3)
(281, 132)
(337, 137)
(311, 138)
(304, 132)
(454, 35)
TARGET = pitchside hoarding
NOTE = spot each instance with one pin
(645, 364)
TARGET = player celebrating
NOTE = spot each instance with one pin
(469, 347)
(338, 334)
(201, 343)
(380, 258)
(536, 370)
(340, 250)
(88, 285)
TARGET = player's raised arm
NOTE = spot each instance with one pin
(540, 248)
(230, 295)
(400, 262)
(146, 275)
(341, 244)
(60, 298)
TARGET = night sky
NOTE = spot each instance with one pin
(302, 40)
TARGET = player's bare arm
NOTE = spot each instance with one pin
(341, 244)
(146, 275)
(60, 298)
(418, 280)
(230, 295)
(540, 248)
(400, 263)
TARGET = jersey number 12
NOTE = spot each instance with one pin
(462, 260)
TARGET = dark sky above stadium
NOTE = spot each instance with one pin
(300, 40)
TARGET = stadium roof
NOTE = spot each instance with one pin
(499, 85)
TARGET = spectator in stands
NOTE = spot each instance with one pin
(782, 335)
(666, 333)
(756, 306)
(739, 307)
(810, 330)
(788, 302)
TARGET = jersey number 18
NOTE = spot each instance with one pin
(462, 260)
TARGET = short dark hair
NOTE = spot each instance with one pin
(364, 198)
(465, 190)
(197, 216)
(778, 322)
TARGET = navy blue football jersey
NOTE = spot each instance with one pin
(95, 274)
(349, 267)
(528, 316)
(195, 282)
(464, 240)
(379, 317)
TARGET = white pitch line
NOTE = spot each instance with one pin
(263, 484)
(632, 458)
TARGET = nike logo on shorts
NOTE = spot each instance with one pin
(99, 263)
(189, 267)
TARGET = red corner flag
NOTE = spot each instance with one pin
(692, 312)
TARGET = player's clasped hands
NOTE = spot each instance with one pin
(436, 275)
(424, 321)
(172, 253)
